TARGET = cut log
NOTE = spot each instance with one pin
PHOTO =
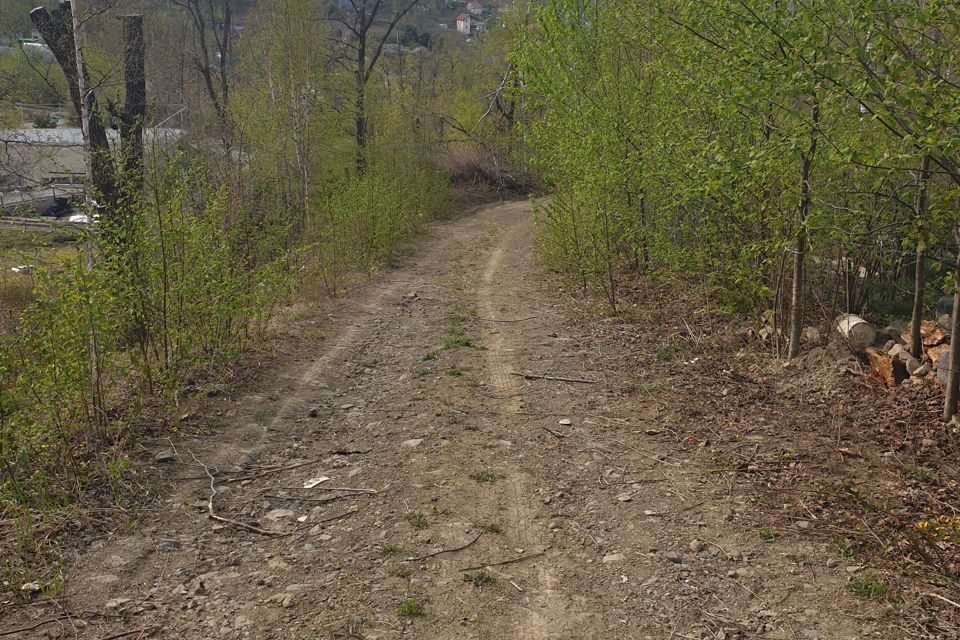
(857, 331)
(889, 371)
(934, 354)
(931, 332)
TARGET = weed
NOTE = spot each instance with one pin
(453, 372)
(387, 549)
(410, 608)
(421, 372)
(484, 476)
(768, 535)
(492, 528)
(429, 355)
(479, 579)
(922, 474)
(454, 341)
(868, 587)
(417, 521)
(401, 571)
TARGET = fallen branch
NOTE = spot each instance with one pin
(509, 321)
(319, 488)
(555, 434)
(124, 634)
(320, 500)
(939, 597)
(267, 471)
(442, 551)
(503, 562)
(534, 376)
(36, 626)
(213, 516)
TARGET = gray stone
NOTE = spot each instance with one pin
(672, 556)
(914, 365)
(279, 514)
(413, 442)
(613, 557)
(117, 604)
(168, 545)
(167, 455)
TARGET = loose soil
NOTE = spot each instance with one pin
(463, 500)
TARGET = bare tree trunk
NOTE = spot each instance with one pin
(57, 30)
(953, 379)
(135, 107)
(919, 288)
(799, 258)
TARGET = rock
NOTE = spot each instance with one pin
(900, 352)
(117, 604)
(565, 423)
(913, 365)
(945, 306)
(804, 524)
(279, 514)
(924, 370)
(672, 556)
(414, 442)
(943, 370)
(626, 496)
(347, 406)
(613, 557)
(242, 621)
(696, 546)
(30, 588)
(167, 455)
(168, 545)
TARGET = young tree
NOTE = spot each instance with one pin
(367, 31)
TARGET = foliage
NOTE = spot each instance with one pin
(721, 139)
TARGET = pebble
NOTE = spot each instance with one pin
(167, 455)
(414, 442)
(672, 556)
(613, 557)
(566, 422)
(696, 546)
(279, 514)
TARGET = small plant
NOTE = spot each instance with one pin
(922, 474)
(484, 476)
(453, 372)
(768, 535)
(454, 341)
(410, 608)
(868, 587)
(421, 372)
(430, 355)
(44, 121)
(387, 549)
(492, 528)
(417, 521)
(479, 579)
(401, 571)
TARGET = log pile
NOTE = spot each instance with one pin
(893, 364)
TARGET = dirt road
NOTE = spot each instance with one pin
(481, 503)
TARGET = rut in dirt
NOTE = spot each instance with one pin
(422, 486)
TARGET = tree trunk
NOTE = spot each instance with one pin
(57, 30)
(799, 258)
(919, 288)
(135, 107)
(953, 378)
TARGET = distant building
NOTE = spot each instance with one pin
(465, 24)
(477, 8)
